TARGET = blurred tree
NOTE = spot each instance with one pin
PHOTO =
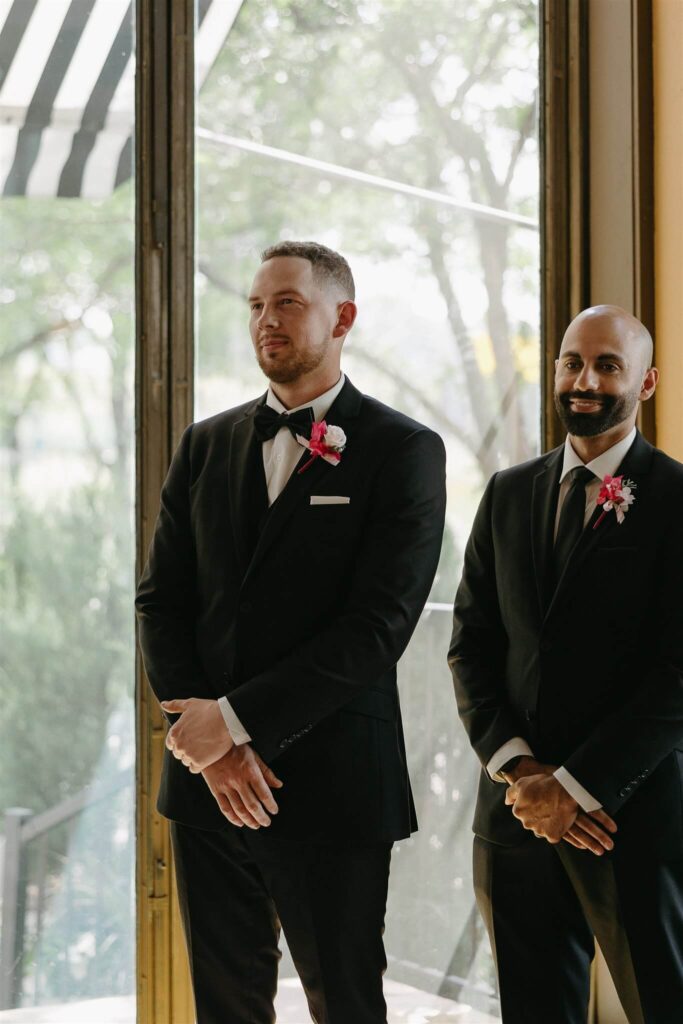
(390, 89)
(66, 430)
(66, 580)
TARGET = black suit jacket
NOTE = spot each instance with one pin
(298, 615)
(589, 673)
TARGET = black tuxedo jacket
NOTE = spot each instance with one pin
(589, 673)
(299, 613)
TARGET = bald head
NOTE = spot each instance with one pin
(613, 324)
(603, 372)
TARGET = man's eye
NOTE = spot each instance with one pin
(609, 367)
(571, 364)
(255, 306)
(285, 302)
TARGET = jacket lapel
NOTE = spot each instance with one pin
(543, 509)
(635, 466)
(243, 448)
(299, 487)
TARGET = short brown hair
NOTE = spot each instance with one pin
(328, 266)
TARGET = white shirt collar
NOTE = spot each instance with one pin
(320, 405)
(606, 464)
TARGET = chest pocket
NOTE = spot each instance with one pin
(329, 525)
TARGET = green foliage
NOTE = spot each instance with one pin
(85, 946)
(66, 592)
(66, 577)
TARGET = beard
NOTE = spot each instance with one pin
(285, 369)
(615, 409)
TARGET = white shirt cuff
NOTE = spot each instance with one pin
(516, 747)
(235, 728)
(583, 798)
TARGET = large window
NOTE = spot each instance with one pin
(405, 135)
(402, 133)
(66, 527)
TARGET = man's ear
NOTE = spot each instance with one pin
(649, 384)
(346, 317)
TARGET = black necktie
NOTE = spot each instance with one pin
(267, 422)
(572, 516)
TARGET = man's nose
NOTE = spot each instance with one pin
(268, 317)
(587, 380)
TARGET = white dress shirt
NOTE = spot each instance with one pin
(281, 454)
(604, 465)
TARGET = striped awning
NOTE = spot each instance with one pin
(67, 91)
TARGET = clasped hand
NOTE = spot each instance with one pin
(544, 807)
(240, 781)
(200, 736)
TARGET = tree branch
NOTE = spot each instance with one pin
(524, 133)
(38, 339)
(481, 67)
(462, 138)
(437, 415)
(219, 282)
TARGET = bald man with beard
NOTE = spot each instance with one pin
(567, 659)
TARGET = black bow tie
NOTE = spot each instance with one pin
(267, 421)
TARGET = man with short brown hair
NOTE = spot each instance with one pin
(296, 544)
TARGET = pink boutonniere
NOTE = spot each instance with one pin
(616, 494)
(326, 443)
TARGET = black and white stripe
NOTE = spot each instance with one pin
(67, 91)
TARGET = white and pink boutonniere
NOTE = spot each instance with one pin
(325, 443)
(617, 494)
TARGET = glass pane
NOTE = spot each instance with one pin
(404, 135)
(66, 530)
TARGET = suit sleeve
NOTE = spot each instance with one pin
(166, 592)
(479, 643)
(629, 743)
(392, 575)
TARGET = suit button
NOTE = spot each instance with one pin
(226, 676)
(529, 715)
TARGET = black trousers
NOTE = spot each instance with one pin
(543, 904)
(237, 886)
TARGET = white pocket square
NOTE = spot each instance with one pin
(329, 499)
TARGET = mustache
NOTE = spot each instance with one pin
(585, 396)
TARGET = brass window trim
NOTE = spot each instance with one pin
(164, 407)
(563, 121)
(577, 238)
(643, 125)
